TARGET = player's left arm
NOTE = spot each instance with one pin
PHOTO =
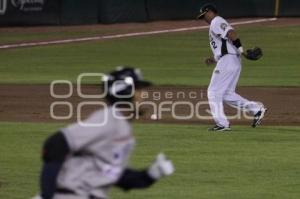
(134, 179)
(139, 179)
(251, 54)
(233, 37)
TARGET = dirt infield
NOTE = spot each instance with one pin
(31, 103)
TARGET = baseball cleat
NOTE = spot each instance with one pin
(219, 128)
(259, 116)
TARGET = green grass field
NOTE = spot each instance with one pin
(166, 59)
(246, 163)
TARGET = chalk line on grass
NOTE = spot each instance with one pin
(97, 38)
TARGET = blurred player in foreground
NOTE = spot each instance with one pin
(83, 161)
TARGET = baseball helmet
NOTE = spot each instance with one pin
(205, 8)
(122, 83)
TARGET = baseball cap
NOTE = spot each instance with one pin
(129, 75)
(122, 83)
(205, 8)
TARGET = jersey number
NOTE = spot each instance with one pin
(213, 43)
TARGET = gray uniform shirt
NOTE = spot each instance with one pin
(100, 148)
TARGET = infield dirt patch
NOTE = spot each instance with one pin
(31, 103)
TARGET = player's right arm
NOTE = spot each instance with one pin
(210, 61)
(55, 150)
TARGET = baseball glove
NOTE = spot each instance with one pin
(254, 53)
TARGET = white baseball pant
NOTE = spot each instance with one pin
(222, 89)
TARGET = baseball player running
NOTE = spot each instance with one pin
(84, 160)
(227, 50)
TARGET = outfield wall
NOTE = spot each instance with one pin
(68, 12)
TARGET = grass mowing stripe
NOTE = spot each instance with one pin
(165, 59)
(97, 38)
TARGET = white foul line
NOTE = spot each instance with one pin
(66, 41)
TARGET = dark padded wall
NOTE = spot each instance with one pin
(112, 11)
(50, 12)
(40, 12)
(172, 9)
(244, 8)
(61, 12)
(79, 12)
(289, 8)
